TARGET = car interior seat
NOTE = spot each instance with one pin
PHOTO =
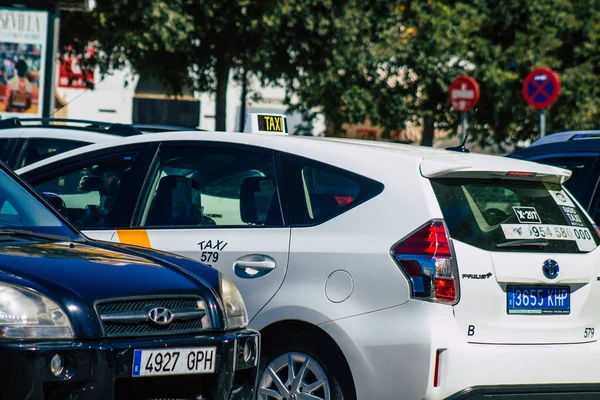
(323, 205)
(176, 202)
(259, 201)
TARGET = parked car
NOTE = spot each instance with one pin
(83, 319)
(26, 140)
(372, 270)
(577, 151)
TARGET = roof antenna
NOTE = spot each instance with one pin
(462, 147)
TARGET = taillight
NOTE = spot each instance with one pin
(427, 257)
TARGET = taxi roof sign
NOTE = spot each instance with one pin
(275, 124)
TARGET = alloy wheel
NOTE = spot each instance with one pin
(293, 376)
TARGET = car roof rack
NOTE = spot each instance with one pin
(156, 128)
(67, 123)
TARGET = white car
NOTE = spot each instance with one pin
(24, 141)
(372, 270)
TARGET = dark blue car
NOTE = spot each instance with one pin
(578, 151)
(82, 319)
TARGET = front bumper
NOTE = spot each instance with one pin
(102, 369)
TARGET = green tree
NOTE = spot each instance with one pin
(387, 61)
(180, 42)
(512, 39)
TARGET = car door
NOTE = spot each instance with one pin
(219, 204)
(99, 189)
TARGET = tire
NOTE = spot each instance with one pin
(323, 375)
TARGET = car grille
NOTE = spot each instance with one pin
(131, 317)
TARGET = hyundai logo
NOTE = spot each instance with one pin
(550, 269)
(161, 316)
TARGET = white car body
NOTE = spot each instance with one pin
(338, 279)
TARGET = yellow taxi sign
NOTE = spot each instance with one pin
(266, 123)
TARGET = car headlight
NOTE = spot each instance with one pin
(25, 314)
(236, 315)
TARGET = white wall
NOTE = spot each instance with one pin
(109, 101)
(271, 101)
(112, 101)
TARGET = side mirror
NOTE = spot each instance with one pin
(56, 201)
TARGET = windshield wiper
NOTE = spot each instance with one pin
(524, 242)
(26, 233)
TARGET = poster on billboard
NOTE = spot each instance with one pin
(23, 35)
(74, 71)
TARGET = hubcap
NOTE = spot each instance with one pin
(293, 376)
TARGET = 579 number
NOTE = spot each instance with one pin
(588, 333)
(209, 256)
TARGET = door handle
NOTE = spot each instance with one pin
(253, 266)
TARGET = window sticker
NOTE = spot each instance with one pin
(527, 215)
(572, 216)
(560, 196)
(581, 236)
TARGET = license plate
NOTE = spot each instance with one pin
(199, 360)
(538, 300)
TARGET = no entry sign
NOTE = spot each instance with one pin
(463, 93)
(541, 87)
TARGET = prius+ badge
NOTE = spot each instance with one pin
(161, 315)
(550, 269)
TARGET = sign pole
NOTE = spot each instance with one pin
(542, 123)
(463, 120)
(51, 49)
(463, 94)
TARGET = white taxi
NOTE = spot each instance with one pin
(372, 270)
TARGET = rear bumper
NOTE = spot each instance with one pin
(392, 355)
(102, 370)
(546, 392)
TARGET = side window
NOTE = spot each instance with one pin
(92, 191)
(3, 146)
(582, 169)
(38, 149)
(212, 187)
(8, 214)
(317, 192)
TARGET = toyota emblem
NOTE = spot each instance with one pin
(550, 269)
(161, 316)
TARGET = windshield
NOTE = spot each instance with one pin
(509, 215)
(20, 210)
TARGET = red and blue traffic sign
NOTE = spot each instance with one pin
(541, 87)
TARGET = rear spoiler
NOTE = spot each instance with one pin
(480, 166)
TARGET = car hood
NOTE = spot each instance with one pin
(77, 274)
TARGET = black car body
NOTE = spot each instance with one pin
(82, 319)
(578, 151)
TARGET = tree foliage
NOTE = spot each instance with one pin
(390, 61)
(180, 42)
(393, 62)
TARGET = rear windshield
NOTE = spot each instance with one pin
(510, 215)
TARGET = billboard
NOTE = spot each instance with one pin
(23, 41)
